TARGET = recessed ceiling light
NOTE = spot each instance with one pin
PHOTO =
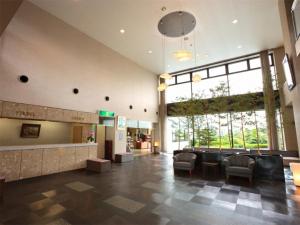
(149, 51)
(168, 65)
(239, 46)
(235, 21)
(122, 31)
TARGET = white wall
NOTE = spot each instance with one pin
(58, 58)
(50, 133)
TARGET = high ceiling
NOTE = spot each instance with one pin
(217, 38)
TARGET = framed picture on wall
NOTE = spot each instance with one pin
(30, 130)
(121, 122)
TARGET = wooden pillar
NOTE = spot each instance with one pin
(163, 119)
(290, 137)
(269, 101)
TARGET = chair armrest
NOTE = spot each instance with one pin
(251, 164)
(226, 162)
(175, 158)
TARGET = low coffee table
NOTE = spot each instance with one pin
(98, 165)
(208, 165)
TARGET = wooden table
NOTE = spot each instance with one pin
(212, 165)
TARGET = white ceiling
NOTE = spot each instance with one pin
(258, 27)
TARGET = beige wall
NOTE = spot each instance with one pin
(50, 133)
(58, 58)
(292, 97)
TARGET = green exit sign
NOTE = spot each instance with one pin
(106, 113)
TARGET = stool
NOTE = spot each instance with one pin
(207, 165)
(98, 165)
(123, 157)
(2, 183)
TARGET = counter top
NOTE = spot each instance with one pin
(29, 147)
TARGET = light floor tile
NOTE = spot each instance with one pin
(79, 186)
(125, 204)
(249, 203)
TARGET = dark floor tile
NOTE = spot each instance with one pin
(202, 200)
(215, 184)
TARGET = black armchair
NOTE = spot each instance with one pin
(239, 165)
(184, 161)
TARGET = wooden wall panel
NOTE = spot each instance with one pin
(38, 112)
(51, 159)
(31, 164)
(93, 153)
(82, 154)
(10, 162)
(67, 159)
(15, 110)
(54, 114)
(35, 112)
(1, 104)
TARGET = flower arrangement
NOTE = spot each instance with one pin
(91, 136)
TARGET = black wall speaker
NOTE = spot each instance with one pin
(23, 78)
(75, 91)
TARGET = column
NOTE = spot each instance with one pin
(290, 137)
(269, 101)
(163, 119)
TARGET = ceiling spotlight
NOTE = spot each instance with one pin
(122, 31)
(164, 8)
(235, 21)
(149, 51)
(239, 46)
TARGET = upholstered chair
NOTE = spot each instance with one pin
(184, 161)
(239, 165)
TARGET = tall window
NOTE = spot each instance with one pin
(221, 129)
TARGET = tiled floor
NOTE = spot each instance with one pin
(146, 191)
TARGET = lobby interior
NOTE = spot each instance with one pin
(170, 112)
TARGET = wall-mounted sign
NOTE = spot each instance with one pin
(105, 113)
(145, 124)
(121, 123)
(132, 123)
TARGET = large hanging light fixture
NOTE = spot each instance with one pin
(196, 76)
(183, 55)
(166, 76)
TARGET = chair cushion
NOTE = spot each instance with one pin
(238, 170)
(183, 165)
(185, 157)
(239, 160)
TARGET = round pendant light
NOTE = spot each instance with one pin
(162, 87)
(196, 78)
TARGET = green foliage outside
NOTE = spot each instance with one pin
(250, 132)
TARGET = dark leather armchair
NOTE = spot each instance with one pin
(184, 161)
(239, 165)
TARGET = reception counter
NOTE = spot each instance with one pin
(20, 162)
